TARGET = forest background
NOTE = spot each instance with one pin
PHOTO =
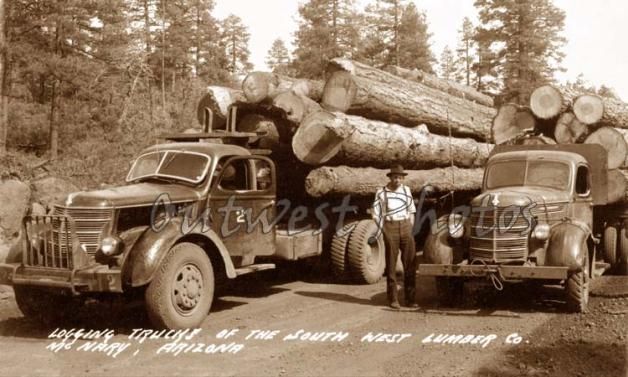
(86, 84)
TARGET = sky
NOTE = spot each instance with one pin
(596, 31)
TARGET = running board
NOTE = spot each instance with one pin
(254, 268)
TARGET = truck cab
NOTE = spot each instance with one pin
(534, 219)
(193, 210)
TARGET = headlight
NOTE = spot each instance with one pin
(110, 246)
(455, 226)
(541, 231)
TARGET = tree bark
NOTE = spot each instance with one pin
(343, 180)
(450, 87)
(217, 99)
(358, 89)
(264, 86)
(616, 183)
(295, 106)
(569, 130)
(588, 108)
(548, 102)
(512, 121)
(260, 123)
(614, 143)
(337, 138)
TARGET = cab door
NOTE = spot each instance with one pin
(242, 205)
(582, 208)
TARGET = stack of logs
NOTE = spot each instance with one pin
(563, 116)
(348, 131)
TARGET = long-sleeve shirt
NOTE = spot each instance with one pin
(393, 205)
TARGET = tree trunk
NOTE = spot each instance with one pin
(535, 140)
(3, 81)
(588, 108)
(616, 182)
(358, 89)
(260, 123)
(615, 111)
(614, 143)
(344, 180)
(217, 99)
(338, 138)
(295, 107)
(53, 125)
(569, 130)
(264, 86)
(547, 102)
(512, 121)
(448, 86)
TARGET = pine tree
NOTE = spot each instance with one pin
(235, 37)
(466, 54)
(327, 29)
(3, 99)
(447, 64)
(413, 49)
(526, 36)
(278, 58)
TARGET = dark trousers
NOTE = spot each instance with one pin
(398, 236)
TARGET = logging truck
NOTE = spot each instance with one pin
(196, 209)
(546, 212)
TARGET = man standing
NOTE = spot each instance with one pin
(394, 212)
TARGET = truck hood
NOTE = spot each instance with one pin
(135, 195)
(520, 196)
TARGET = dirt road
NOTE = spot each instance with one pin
(550, 342)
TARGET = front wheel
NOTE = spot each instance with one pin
(577, 287)
(182, 290)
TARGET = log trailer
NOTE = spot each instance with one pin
(542, 215)
(196, 209)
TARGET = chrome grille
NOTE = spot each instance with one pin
(89, 224)
(499, 237)
(49, 241)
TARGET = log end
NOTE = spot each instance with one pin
(339, 92)
(614, 144)
(316, 140)
(588, 108)
(257, 86)
(546, 102)
(292, 106)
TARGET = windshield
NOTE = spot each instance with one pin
(550, 174)
(179, 165)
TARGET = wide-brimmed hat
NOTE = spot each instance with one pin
(396, 170)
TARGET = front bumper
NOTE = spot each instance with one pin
(98, 278)
(506, 272)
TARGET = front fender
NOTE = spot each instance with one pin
(567, 245)
(151, 247)
(439, 248)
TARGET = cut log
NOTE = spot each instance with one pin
(614, 143)
(264, 86)
(295, 106)
(512, 121)
(343, 180)
(615, 111)
(547, 102)
(588, 108)
(338, 138)
(569, 130)
(217, 99)
(451, 87)
(358, 89)
(536, 140)
(616, 182)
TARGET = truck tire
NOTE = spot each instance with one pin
(622, 259)
(339, 251)
(449, 290)
(181, 293)
(577, 287)
(366, 255)
(35, 303)
(610, 245)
